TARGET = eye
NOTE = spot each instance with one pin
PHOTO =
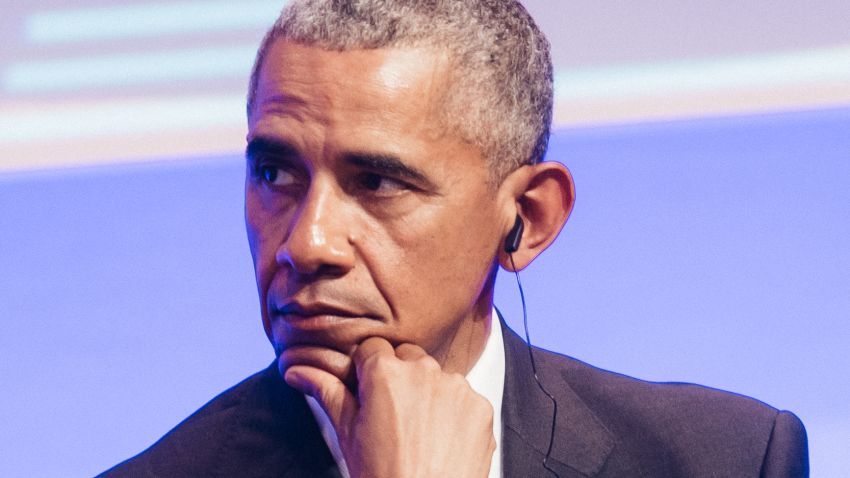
(275, 175)
(382, 185)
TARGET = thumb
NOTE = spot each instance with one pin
(333, 396)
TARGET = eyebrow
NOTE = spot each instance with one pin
(389, 165)
(270, 146)
(385, 164)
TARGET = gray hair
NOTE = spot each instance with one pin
(500, 97)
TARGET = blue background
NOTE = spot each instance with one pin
(713, 251)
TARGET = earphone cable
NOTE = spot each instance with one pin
(534, 369)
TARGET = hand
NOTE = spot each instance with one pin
(409, 418)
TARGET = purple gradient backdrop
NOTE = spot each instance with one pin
(713, 251)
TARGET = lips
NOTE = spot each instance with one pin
(320, 324)
(297, 311)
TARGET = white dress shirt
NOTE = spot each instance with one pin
(487, 377)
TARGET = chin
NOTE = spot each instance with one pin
(332, 361)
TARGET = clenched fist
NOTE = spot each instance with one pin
(408, 418)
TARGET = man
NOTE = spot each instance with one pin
(393, 146)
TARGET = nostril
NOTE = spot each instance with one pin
(313, 254)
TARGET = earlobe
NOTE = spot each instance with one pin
(544, 202)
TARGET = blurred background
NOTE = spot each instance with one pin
(710, 143)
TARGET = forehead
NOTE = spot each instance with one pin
(394, 84)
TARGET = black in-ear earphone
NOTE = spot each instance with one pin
(512, 241)
(514, 236)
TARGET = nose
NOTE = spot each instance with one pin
(318, 241)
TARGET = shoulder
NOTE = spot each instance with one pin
(698, 427)
(198, 443)
(612, 394)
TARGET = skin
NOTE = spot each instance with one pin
(376, 238)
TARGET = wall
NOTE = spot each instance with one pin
(711, 251)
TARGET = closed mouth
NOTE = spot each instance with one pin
(321, 325)
(294, 311)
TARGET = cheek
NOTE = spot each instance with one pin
(462, 261)
(437, 265)
(254, 224)
(255, 229)
(265, 227)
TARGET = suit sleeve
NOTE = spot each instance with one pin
(787, 454)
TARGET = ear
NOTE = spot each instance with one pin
(544, 195)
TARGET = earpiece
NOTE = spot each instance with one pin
(514, 237)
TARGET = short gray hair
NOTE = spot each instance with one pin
(500, 96)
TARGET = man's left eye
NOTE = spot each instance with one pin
(382, 185)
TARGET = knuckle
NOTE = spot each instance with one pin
(482, 408)
(428, 364)
(456, 385)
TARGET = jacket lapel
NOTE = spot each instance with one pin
(581, 444)
(275, 434)
(311, 456)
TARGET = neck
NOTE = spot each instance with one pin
(469, 338)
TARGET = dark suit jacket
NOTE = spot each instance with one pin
(608, 425)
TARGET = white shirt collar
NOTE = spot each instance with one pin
(487, 377)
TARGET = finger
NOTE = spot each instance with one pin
(370, 348)
(410, 352)
(333, 396)
(371, 353)
(332, 361)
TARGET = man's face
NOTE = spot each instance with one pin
(365, 217)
